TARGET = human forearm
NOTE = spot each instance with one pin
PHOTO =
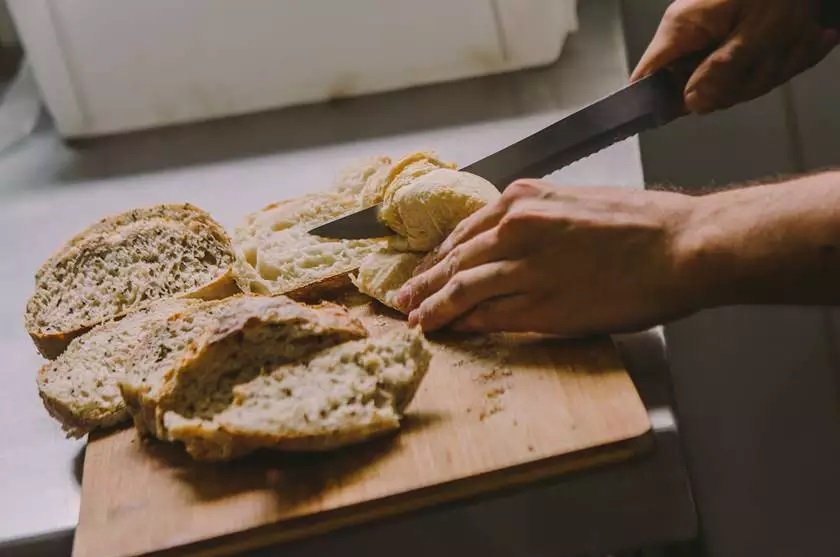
(773, 244)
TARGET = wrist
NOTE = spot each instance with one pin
(707, 253)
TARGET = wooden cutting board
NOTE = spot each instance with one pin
(492, 413)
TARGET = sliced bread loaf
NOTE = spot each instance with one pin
(124, 263)
(275, 254)
(191, 364)
(80, 387)
(341, 395)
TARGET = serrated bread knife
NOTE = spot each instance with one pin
(647, 103)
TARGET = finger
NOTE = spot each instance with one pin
(490, 215)
(428, 261)
(484, 219)
(484, 248)
(507, 313)
(677, 36)
(718, 78)
(464, 291)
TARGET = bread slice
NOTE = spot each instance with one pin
(80, 387)
(341, 395)
(192, 363)
(124, 263)
(275, 254)
(381, 274)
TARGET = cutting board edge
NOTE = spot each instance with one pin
(460, 491)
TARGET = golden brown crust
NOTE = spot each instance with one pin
(52, 345)
(219, 445)
(325, 288)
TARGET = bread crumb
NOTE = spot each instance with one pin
(495, 392)
(490, 410)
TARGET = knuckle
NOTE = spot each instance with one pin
(682, 7)
(420, 286)
(683, 17)
(457, 289)
(453, 260)
(513, 220)
(675, 13)
(459, 229)
(522, 188)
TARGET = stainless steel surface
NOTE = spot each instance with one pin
(50, 190)
(649, 102)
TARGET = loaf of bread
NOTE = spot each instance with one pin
(190, 365)
(392, 177)
(424, 200)
(277, 255)
(342, 395)
(80, 387)
(124, 263)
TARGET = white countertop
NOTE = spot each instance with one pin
(49, 191)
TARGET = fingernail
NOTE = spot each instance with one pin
(694, 102)
(403, 297)
(413, 318)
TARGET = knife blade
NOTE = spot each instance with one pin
(647, 103)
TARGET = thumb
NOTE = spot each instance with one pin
(675, 38)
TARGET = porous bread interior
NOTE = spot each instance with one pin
(341, 395)
(275, 254)
(123, 265)
(80, 387)
(165, 347)
(194, 361)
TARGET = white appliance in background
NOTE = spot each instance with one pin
(106, 66)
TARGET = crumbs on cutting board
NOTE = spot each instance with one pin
(495, 383)
(489, 363)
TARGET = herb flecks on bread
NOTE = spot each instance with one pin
(80, 387)
(191, 365)
(124, 263)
